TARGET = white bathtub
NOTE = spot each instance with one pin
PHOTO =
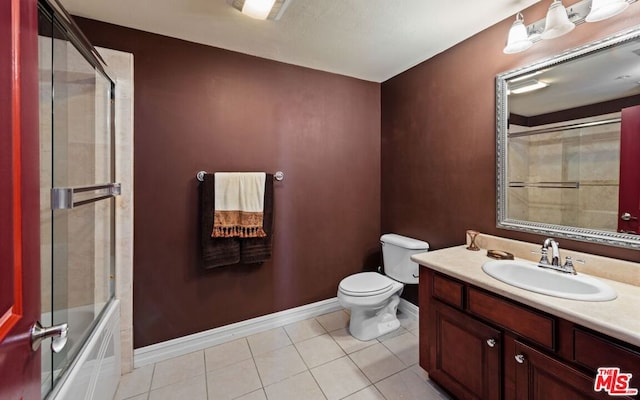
(95, 372)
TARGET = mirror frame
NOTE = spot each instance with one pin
(502, 116)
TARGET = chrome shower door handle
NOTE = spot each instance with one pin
(58, 334)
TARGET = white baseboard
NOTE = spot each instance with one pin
(408, 308)
(202, 340)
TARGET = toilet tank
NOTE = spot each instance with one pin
(396, 254)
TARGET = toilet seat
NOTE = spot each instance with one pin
(366, 284)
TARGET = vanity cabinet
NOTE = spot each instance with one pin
(537, 376)
(479, 345)
(466, 354)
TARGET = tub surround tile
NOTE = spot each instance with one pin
(126, 350)
(121, 69)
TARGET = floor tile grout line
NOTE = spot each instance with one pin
(309, 338)
(365, 375)
(396, 355)
(206, 378)
(151, 388)
(309, 369)
(153, 374)
(253, 358)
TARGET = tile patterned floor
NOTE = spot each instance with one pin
(311, 359)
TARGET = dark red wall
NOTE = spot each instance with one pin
(202, 108)
(198, 107)
(439, 135)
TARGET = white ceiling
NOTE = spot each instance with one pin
(372, 40)
(608, 74)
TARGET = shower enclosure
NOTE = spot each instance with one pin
(77, 189)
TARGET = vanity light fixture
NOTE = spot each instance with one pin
(560, 21)
(261, 9)
(557, 21)
(603, 9)
(518, 39)
(526, 86)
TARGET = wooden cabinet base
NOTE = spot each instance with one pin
(479, 345)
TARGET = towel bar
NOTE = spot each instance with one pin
(278, 176)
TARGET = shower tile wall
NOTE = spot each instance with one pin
(120, 67)
(589, 156)
(81, 158)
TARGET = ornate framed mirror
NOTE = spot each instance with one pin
(568, 144)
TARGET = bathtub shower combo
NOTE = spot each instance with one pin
(77, 213)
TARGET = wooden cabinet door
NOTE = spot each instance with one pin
(465, 354)
(540, 377)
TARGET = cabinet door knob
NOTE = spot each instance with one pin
(519, 358)
(491, 342)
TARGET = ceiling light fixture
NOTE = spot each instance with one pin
(560, 21)
(527, 86)
(603, 9)
(260, 9)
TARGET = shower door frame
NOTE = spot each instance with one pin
(19, 199)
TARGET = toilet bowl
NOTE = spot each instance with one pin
(373, 298)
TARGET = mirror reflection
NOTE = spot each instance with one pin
(568, 144)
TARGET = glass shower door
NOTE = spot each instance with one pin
(77, 205)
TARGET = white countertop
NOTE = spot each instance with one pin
(619, 318)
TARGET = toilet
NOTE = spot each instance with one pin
(373, 298)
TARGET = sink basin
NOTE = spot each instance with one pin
(529, 276)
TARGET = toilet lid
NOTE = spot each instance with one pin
(365, 284)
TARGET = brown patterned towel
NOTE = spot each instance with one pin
(216, 252)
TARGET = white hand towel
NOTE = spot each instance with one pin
(239, 204)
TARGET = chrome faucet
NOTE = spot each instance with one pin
(555, 258)
(555, 251)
